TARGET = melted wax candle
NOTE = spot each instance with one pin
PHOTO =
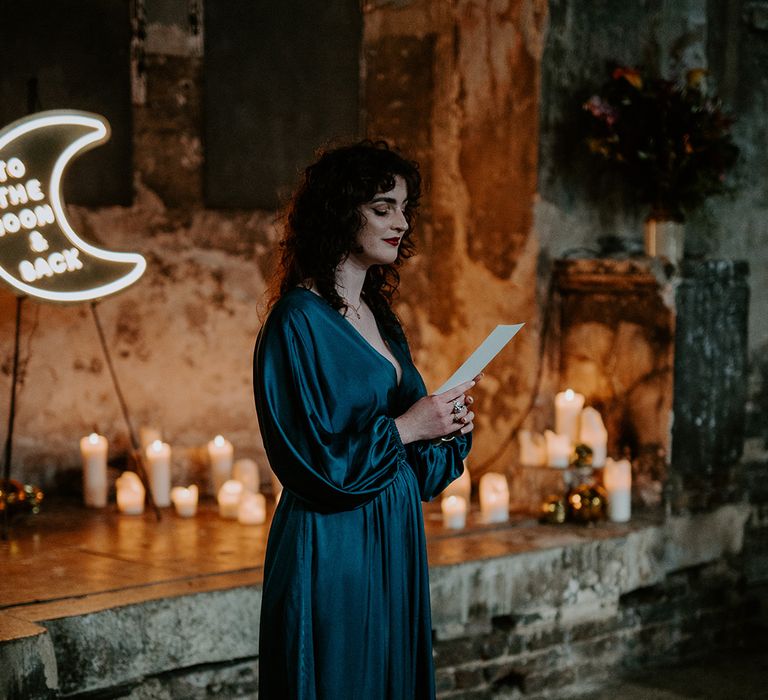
(185, 500)
(494, 497)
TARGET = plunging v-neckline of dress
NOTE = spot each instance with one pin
(363, 339)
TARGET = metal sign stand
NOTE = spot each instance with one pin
(11, 417)
(138, 457)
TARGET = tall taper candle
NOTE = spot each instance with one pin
(93, 449)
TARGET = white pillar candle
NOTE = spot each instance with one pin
(454, 512)
(185, 500)
(558, 449)
(147, 435)
(617, 479)
(568, 405)
(594, 434)
(462, 486)
(130, 494)
(246, 471)
(494, 497)
(93, 450)
(252, 509)
(159, 468)
(229, 498)
(533, 449)
(220, 453)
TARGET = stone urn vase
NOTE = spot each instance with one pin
(664, 238)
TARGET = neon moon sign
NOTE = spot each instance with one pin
(40, 254)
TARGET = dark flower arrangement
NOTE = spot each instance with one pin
(671, 141)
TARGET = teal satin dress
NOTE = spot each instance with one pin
(345, 609)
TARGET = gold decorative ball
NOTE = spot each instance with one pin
(553, 510)
(587, 503)
(19, 498)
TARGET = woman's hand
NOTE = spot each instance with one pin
(438, 415)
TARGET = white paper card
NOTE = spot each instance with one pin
(479, 359)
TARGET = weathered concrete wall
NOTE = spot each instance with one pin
(475, 91)
(577, 208)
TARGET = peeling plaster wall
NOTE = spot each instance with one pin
(471, 117)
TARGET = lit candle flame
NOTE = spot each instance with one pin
(93, 438)
(157, 446)
(219, 441)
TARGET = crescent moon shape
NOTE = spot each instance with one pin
(40, 253)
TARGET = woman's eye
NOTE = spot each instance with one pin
(380, 212)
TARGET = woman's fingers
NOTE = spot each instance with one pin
(469, 425)
(452, 394)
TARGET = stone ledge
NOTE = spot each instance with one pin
(124, 644)
(579, 580)
(27, 660)
(567, 575)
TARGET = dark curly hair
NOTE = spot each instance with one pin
(324, 219)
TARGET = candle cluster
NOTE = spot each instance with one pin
(236, 485)
(575, 425)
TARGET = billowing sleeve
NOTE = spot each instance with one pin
(435, 462)
(330, 460)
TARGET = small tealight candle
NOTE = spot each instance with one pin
(558, 449)
(454, 512)
(220, 453)
(246, 471)
(617, 479)
(130, 494)
(252, 509)
(594, 434)
(462, 486)
(159, 467)
(494, 497)
(93, 450)
(229, 498)
(568, 405)
(185, 500)
(533, 449)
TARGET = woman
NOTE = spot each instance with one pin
(355, 441)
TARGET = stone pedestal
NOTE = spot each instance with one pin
(710, 381)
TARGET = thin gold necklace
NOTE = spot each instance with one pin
(354, 308)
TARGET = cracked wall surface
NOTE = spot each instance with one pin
(473, 90)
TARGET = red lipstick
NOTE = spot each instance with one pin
(392, 241)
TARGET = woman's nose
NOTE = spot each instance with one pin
(400, 223)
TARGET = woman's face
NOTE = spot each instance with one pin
(384, 227)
